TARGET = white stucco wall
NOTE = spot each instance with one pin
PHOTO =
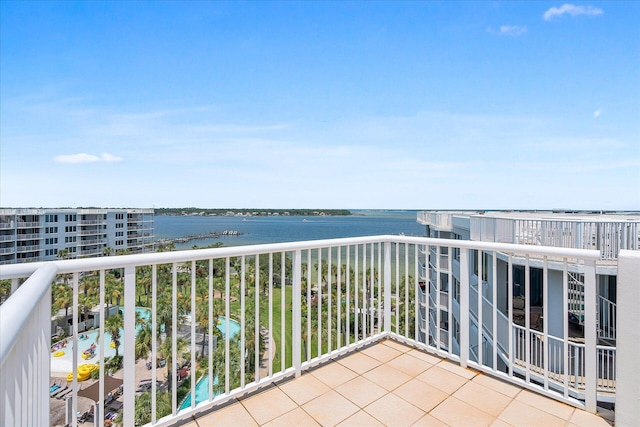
(628, 340)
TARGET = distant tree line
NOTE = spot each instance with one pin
(257, 212)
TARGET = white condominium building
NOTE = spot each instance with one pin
(29, 235)
(533, 295)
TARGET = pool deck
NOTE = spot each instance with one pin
(57, 406)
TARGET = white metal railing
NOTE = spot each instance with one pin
(87, 222)
(607, 236)
(31, 236)
(607, 318)
(295, 305)
(29, 248)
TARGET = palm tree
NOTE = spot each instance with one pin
(143, 406)
(143, 341)
(108, 251)
(112, 326)
(62, 298)
(5, 290)
(202, 314)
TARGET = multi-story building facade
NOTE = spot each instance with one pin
(29, 235)
(532, 295)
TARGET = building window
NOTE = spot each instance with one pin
(70, 229)
(70, 218)
(51, 230)
(51, 241)
(119, 216)
(51, 218)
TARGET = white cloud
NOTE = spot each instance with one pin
(86, 158)
(106, 157)
(508, 30)
(572, 10)
(597, 113)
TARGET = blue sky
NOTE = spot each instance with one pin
(416, 105)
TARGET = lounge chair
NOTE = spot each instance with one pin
(59, 391)
(54, 387)
(66, 393)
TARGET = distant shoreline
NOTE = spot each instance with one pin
(250, 212)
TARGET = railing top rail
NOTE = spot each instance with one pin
(15, 315)
(503, 247)
(88, 264)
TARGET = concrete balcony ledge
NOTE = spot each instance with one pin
(389, 383)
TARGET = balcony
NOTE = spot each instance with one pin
(389, 383)
(315, 320)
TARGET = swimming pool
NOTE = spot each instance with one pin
(202, 386)
(62, 365)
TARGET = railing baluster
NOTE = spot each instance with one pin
(348, 304)
(363, 318)
(527, 318)
(379, 297)
(243, 324)
(319, 299)
(171, 368)
(356, 296)
(480, 295)
(283, 294)
(209, 334)
(74, 340)
(270, 303)
(256, 321)
(329, 292)
(406, 289)
(227, 341)
(397, 293)
(309, 332)
(339, 301)
(416, 296)
(194, 319)
(372, 268)
(128, 357)
(590, 335)
(387, 287)
(464, 307)
(494, 311)
(297, 312)
(100, 403)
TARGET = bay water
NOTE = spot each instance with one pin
(277, 229)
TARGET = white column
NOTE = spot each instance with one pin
(628, 340)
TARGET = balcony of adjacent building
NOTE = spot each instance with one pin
(327, 332)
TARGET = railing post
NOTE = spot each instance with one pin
(387, 287)
(590, 336)
(464, 307)
(628, 337)
(297, 312)
(129, 341)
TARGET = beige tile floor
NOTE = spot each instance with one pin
(389, 384)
